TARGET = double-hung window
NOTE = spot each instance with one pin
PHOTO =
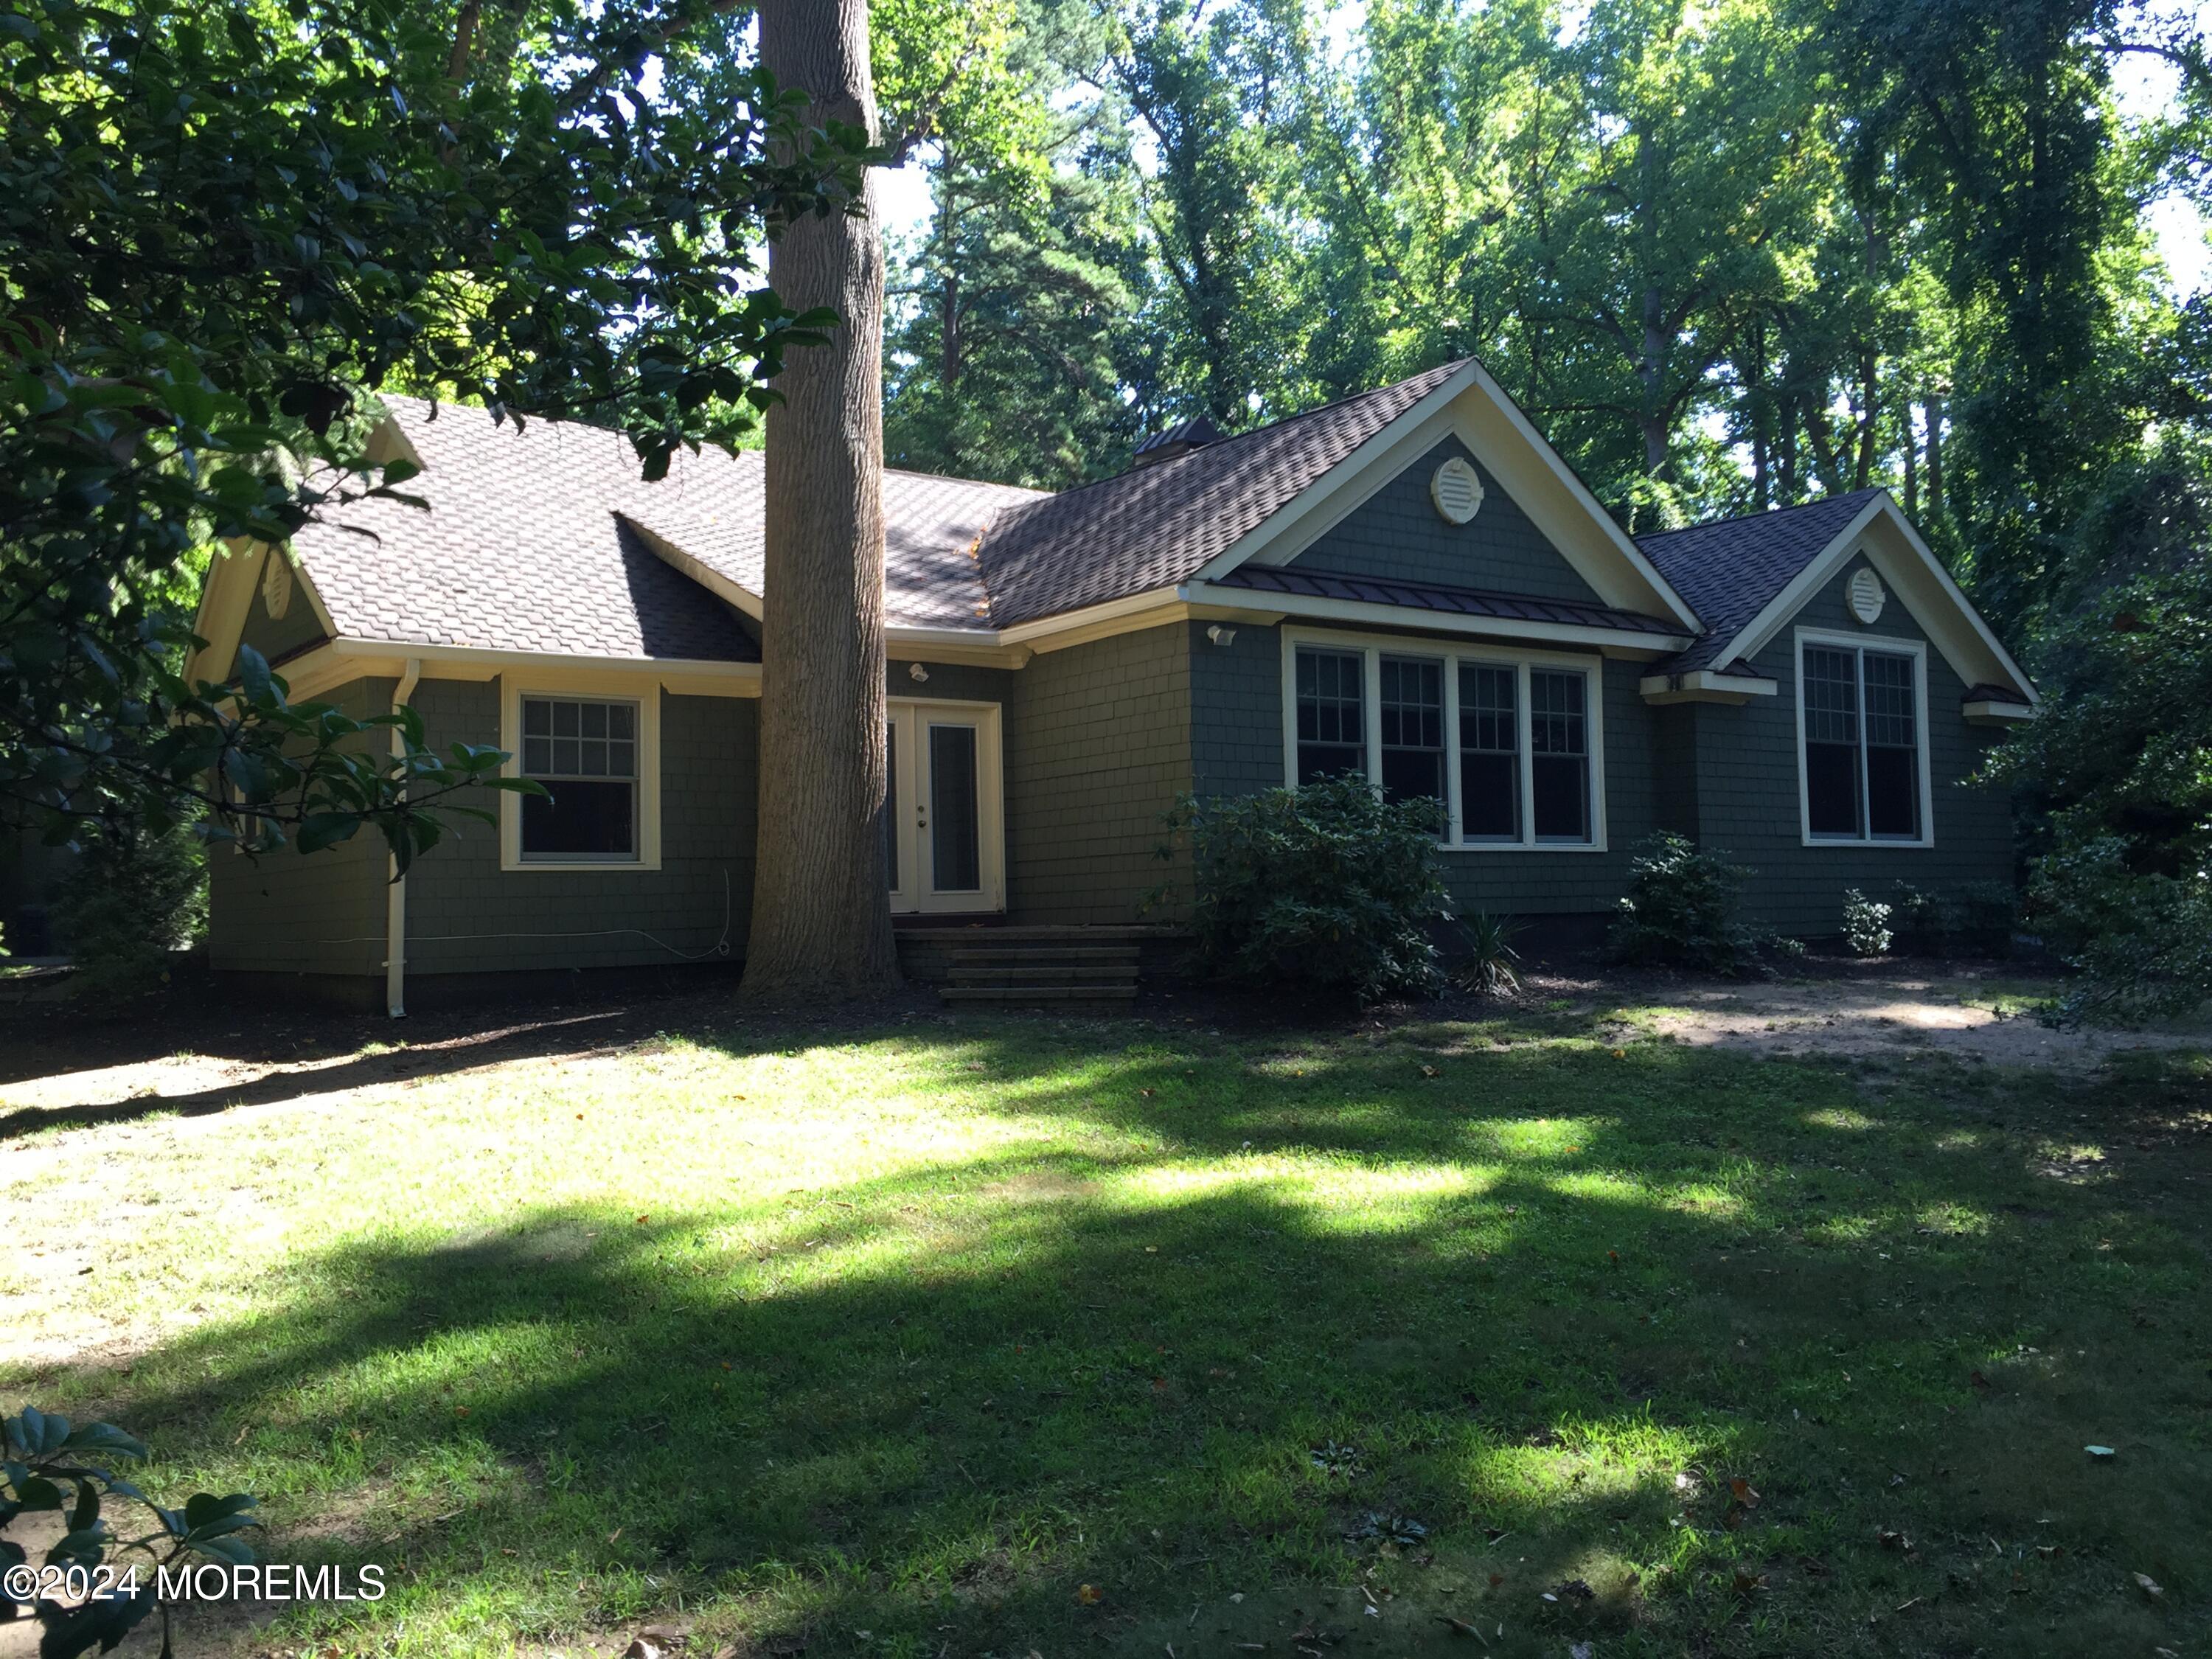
(1413, 728)
(1864, 748)
(1332, 715)
(1509, 743)
(585, 751)
(1489, 752)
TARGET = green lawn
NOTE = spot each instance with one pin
(945, 1337)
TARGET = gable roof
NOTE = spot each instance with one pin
(519, 551)
(1749, 575)
(1730, 569)
(931, 525)
(532, 543)
(1159, 524)
(547, 540)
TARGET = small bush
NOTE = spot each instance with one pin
(1487, 956)
(134, 899)
(1326, 885)
(1680, 909)
(1920, 924)
(1866, 925)
(1978, 920)
(1988, 915)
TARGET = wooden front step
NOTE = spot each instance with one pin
(1045, 973)
(1019, 995)
(1110, 955)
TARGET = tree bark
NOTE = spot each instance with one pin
(1912, 465)
(821, 920)
(1934, 419)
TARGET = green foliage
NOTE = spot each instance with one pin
(1978, 920)
(219, 223)
(2141, 940)
(134, 898)
(1327, 886)
(53, 1467)
(1729, 256)
(2118, 762)
(1680, 909)
(1866, 925)
(1486, 956)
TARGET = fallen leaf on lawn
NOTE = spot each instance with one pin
(2099, 1451)
(1892, 1540)
(1620, 1053)
(1147, 1093)
(616, 1533)
(1744, 1494)
(1459, 1626)
(2150, 1585)
(1978, 1380)
(1747, 1582)
(1089, 1596)
(2049, 1552)
(1428, 1071)
(1613, 1255)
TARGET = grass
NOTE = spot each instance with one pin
(968, 1337)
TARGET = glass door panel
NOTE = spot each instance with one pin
(955, 826)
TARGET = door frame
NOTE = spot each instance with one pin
(914, 897)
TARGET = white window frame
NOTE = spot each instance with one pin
(646, 699)
(1452, 655)
(1858, 644)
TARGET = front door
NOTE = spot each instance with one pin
(943, 846)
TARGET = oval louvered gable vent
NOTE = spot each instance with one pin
(275, 584)
(1456, 491)
(1867, 596)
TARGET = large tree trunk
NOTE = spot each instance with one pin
(821, 920)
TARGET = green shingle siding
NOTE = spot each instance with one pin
(1747, 803)
(466, 914)
(1236, 701)
(1398, 533)
(305, 912)
(1098, 746)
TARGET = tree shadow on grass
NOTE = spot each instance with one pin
(1546, 1308)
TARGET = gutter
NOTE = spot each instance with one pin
(395, 886)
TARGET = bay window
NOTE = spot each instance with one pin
(1862, 739)
(1507, 741)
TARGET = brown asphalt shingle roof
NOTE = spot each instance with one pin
(1158, 525)
(530, 543)
(525, 547)
(1731, 568)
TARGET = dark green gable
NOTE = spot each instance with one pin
(1398, 533)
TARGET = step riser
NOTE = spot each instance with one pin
(1013, 996)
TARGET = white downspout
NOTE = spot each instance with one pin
(395, 889)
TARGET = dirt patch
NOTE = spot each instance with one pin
(1968, 1013)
